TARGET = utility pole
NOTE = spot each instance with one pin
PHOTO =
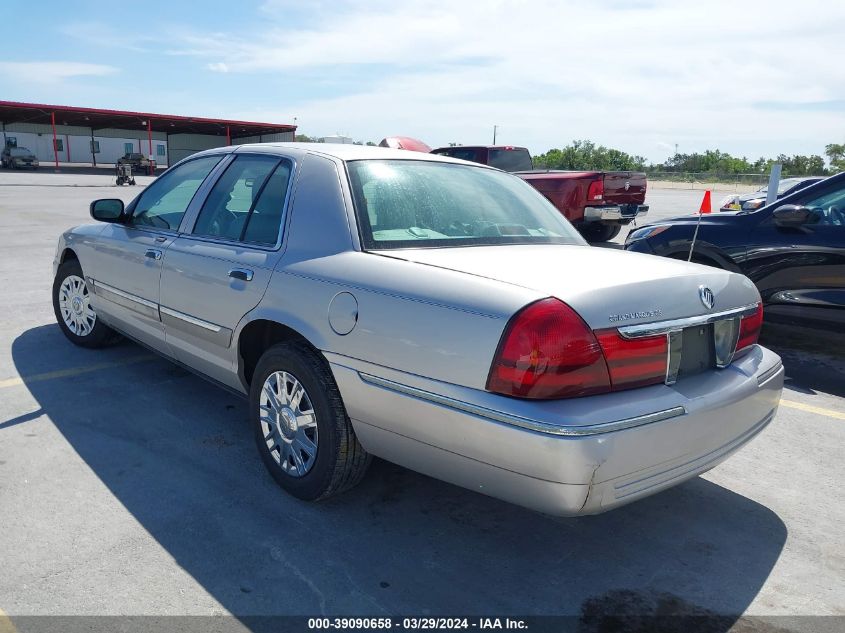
(676, 149)
(494, 133)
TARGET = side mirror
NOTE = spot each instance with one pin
(107, 210)
(791, 215)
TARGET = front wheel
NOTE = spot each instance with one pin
(301, 428)
(74, 312)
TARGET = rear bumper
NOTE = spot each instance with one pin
(612, 213)
(566, 457)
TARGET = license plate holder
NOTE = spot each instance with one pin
(698, 351)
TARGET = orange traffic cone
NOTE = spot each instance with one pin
(705, 203)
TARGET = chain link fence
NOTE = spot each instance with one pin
(738, 183)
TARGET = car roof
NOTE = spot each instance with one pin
(348, 152)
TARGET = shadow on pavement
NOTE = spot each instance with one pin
(178, 454)
(814, 359)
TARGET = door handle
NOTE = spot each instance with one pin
(241, 273)
(153, 254)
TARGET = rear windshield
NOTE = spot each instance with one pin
(512, 159)
(411, 203)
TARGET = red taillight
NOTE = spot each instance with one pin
(596, 190)
(749, 329)
(634, 362)
(547, 351)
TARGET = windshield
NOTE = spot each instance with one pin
(19, 151)
(783, 186)
(410, 203)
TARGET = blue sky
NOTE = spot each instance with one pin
(752, 78)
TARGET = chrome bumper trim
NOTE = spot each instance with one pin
(612, 213)
(518, 421)
(663, 327)
(596, 214)
(767, 375)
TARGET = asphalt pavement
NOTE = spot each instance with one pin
(131, 487)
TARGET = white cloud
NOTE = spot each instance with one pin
(51, 72)
(631, 76)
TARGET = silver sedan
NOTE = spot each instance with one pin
(438, 314)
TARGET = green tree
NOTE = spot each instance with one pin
(835, 153)
(587, 155)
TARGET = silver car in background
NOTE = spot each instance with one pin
(436, 313)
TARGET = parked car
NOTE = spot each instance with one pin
(793, 250)
(598, 203)
(139, 162)
(412, 306)
(756, 199)
(18, 158)
(404, 142)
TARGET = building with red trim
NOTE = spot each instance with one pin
(94, 136)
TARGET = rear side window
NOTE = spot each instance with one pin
(462, 153)
(247, 202)
(510, 159)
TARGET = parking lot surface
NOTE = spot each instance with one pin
(129, 486)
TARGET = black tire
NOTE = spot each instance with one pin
(340, 461)
(100, 335)
(598, 232)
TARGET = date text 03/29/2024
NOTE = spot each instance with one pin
(422, 623)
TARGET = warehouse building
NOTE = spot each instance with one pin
(91, 136)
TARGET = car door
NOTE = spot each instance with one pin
(127, 258)
(800, 270)
(218, 270)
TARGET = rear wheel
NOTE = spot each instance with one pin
(74, 312)
(598, 232)
(301, 428)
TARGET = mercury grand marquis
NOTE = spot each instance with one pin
(435, 313)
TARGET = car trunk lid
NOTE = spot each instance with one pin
(608, 288)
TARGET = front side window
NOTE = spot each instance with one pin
(411, 203)
(827, 208)
(247, 202)
(164, 202)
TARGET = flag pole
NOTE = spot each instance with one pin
(704, 208)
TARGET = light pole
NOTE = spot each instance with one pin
(495, 127)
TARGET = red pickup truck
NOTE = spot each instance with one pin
(598, 203)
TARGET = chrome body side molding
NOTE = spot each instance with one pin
(524, 423)
(98, 286)
(206, 325)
